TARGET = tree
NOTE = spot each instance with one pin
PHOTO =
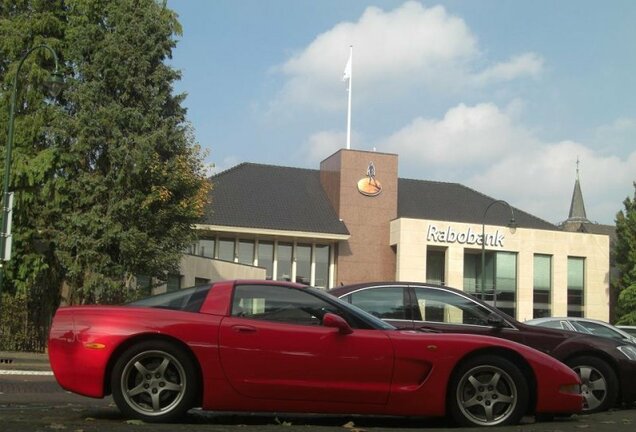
(108, 177)
(625, 256)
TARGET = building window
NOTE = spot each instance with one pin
(472, 275)
(246, 252)
(505, 287)
(226, 249)
(303, 263)
(201, 281)
(500, 279)
(174, 282)
(284, 261)
(206, 248)
(265, 257)
(542, 286)
(144, 285)
(471, 262)
(435, 266)
(321, 277)
(576, 283)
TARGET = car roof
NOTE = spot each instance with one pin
(345, 289)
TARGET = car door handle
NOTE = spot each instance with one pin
(244, 329)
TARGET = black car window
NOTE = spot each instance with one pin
(187, 299)
(280, 304)
(383, 302)
(438, 305)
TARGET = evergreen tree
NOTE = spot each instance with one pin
(108, 177)
(34, 274)
(625, 255)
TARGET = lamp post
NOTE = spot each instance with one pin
(56, 83)
(512, 224)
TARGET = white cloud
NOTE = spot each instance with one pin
(409, 47)
(618, 137)
(529, 64)
(323, 144)
(485, 148)
(466, 135)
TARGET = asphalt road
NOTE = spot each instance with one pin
(30, 403)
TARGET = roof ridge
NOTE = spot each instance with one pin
(255, 164)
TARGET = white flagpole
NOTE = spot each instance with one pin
(349, 75)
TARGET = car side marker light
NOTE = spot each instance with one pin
(94, 345)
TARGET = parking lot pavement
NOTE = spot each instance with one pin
(30, 402)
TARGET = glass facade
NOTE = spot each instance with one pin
(435, 266)
(284, 261)
(226, 249)
(542, 286)
(206, 248)
(306, 263)
(265, 257)
(500, 281)
(303, 263)
(505, 286)
(246, 252)
(321, 277)
(576, 285)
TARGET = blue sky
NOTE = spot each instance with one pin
(501, 96)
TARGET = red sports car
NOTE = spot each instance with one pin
(275, 346)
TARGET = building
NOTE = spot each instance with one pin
(355, 220)
(577, 221)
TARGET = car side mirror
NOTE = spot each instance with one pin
(495, 320)
(335, 321)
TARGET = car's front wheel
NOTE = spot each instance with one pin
(154, 381)
(488, 391)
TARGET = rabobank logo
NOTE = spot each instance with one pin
(469, 237)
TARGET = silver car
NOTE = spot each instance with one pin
(628, 329)
(584, 325)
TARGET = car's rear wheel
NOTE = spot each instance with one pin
(599, 384)
(488, 391)
(154, 381)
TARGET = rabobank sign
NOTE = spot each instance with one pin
(469, 237)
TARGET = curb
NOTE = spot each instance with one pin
(24, 361)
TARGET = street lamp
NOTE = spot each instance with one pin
(512, 224)
(56, 82)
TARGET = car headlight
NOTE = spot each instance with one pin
(629, 351)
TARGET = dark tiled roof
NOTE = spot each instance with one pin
(420, 199)
(292, 199)
(594, 228)
(271, 197)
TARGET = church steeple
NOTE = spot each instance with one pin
(577, 206)
(577, 215)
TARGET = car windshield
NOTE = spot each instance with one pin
(187, 299)
(373, 320)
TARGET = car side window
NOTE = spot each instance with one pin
(383, 302)
(279, 304)
(554, 325)
(436, 305)
(598, 329)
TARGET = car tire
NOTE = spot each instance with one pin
(154, 381)
(599, 384)
(487, 391)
